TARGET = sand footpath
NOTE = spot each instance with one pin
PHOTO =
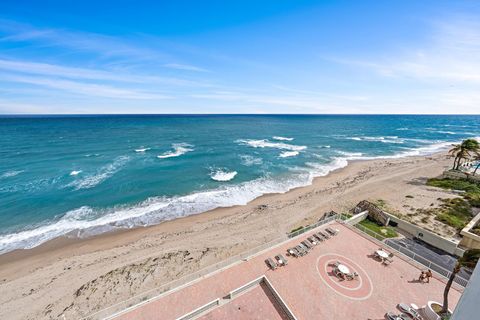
(77, 277)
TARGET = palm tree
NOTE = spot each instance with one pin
(464, 151)
(477, 158)
(468, 260)
(454, 152)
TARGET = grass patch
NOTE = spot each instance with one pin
(387, 232)
(472, 190)
(454, 212)
(346, 216)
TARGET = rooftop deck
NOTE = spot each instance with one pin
(306, 285)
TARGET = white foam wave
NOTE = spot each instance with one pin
(86, 221)
(282, 138)
(248, 160)
(388, 139)
(12, 173)
(178, 150)
(263, 143)
(287, 154)
(101, 175)
(75, 172)
(446, 132)
(142, 149)
(402, 129)
(327, 147)
(222, 175)
(349, 155)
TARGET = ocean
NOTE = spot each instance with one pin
(85, 175)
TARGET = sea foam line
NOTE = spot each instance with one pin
(86, 221)
(264, 143)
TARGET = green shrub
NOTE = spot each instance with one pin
(472, 190)
(455, 212)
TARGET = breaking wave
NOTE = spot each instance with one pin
(287, 154)
(222, 175)
(282, 138)
(388, 139)
(86, 221)
(264, 143)
(248, 160)
(9, 174)
(178, 150)
(102, 174)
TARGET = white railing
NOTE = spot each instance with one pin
(114, 310)
(406, 253)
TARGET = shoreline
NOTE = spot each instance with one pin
(69, 238)
(68, 241)
(85, 275)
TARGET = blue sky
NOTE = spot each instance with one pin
(398, 56)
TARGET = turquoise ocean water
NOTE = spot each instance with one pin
(84, 175)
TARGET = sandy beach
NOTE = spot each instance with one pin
(75, 278)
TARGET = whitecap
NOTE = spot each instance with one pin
(178, 150)
(86, 221)
(248, 160)
(263, 143)
(75, 172)
(388, 139)
(100, 175)
(12, 173)
(282, 138)
(287, 154)
(223, 175)
(446, 132)
(142, 149)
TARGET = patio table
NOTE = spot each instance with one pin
(343, 269)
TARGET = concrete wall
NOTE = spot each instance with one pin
(427, 236)
(470, 240)
(357, 218)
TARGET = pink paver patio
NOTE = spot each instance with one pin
(255, 304)
(306, 285)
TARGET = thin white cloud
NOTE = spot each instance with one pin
(102, 45)
(89, 89)
(452, 54)
(185, 67)
(46, 69)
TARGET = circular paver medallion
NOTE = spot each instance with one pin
(358, 289)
